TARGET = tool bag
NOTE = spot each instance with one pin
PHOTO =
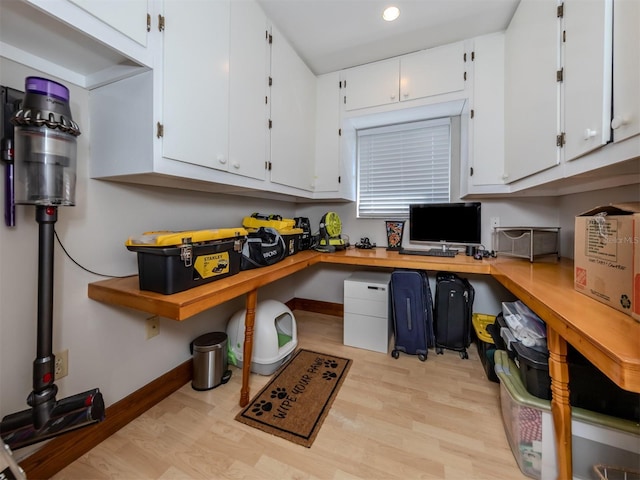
(264, 247)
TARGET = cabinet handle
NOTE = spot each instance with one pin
(222, 159)
(406, 95)
(236, 165)
(392, 96)
(588, 133)
(618, 122)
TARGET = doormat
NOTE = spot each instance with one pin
(297, 399)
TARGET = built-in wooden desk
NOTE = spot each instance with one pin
(608, 338)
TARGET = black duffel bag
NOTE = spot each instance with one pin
(263, 247)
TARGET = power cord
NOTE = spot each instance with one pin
(84, 268)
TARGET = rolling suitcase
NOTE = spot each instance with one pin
(412, 309)
(452, 313)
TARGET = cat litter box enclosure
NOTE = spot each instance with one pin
(170, 262)
(275, 337)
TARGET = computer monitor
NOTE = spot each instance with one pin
(445, 223)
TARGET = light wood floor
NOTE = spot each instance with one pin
(392, 419)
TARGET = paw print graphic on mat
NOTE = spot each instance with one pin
(261, 407)
(330, 364)
(329, 375)
(279, 393)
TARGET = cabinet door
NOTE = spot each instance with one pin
(196, 92)
(531, 89)
(371, 85)
(248, 90)
(293, 111)
(327, 158)
(432, 72)
(626, 69)
(487, 107)
(587, 75)
(126, 16)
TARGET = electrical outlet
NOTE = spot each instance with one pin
(61, 366)
(495, 222)
(153, 326)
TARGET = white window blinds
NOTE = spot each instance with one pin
(403, 164)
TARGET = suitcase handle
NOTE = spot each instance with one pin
(409, 326)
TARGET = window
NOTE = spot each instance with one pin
(403, 164)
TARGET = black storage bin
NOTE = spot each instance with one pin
(589, 388)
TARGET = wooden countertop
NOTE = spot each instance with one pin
(608, 338)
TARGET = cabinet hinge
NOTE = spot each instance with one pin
(148, 22)
(473, 56)
(560, 75)
(564, 36)
(464, 57)
(339, 179)
(266, 100)
(270, 123)
(339, 132)
(472, 113)
(159, 130)
(465, 76)
(267, 165)
(344, 99)
(160, 23)
(270, 81)
(560, 140)
(560, 11)
(471, 171)
(269, 38)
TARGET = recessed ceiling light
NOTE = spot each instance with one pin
(391, 13)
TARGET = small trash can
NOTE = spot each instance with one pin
(209, 361)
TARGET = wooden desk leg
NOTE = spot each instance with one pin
(560, 406)
(249, 322)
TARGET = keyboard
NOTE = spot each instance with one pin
(433, 252)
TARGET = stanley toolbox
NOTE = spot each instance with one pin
(286, 227)
(170, 262)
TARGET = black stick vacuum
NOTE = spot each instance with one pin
(45, 141)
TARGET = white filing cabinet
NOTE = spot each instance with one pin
(367, 322)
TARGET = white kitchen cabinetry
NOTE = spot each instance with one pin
(432, 72)
(249, 90)
(486, 116)
(196, 93)
(372, 84)
(531, 90)
(293, 113)
(126, 16)
(586, 75)
(367, 323)
(63, 39)
(327, 155)
(626, 70)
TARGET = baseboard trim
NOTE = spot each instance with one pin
(64, 450)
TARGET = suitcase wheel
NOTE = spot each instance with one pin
(464, 355)
(422, 357)
(439, 351)
(395, 353)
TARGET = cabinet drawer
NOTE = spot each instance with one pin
(372, 286)
(371, 333)
(366, 307)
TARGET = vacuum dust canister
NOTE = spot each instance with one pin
(45, 145)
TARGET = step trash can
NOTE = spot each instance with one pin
(209, 361)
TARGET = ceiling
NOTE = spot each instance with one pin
(330, 35)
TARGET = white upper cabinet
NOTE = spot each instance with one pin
(432, 72)
(586, 75)
(83, 42)
(327, 156)
(626, 70)
(486, 122)
(126, 16)
(293, 113)
(249, 90)
(531, 90)
(372, 84)
(196, 93)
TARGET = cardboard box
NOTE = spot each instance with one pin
(607, 256)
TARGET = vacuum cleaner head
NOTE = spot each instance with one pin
(18, 430)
